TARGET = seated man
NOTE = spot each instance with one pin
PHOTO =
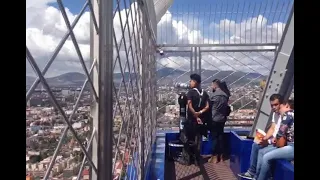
(275, 101)
(283, 142)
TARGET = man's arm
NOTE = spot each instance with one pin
(189, 97)
(207, 105)
(270, 131)
(271, 128)
(191, 109)
(205, 108)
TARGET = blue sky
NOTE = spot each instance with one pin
(199, 16)
(255, 7)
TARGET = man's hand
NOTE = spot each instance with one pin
(196, 114)
(258, 141)
(199, 121)
(262, 142)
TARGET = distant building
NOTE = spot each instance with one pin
(78, 125)
(85, 174)
(65, 92)
(263, 84)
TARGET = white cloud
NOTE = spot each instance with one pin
(251, 30)
(45, 28)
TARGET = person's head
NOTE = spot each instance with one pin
(195, 80)
(215, 84)
(275, 101)
(286, 106)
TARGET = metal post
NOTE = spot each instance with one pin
(283, 60)
(199, 60)
(94, 54)
(142, 94)
(191, 60)
(105, 124)
(195, 60)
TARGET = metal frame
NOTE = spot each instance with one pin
(105, 78)
(235, 70)
(241, 50)
(88, 73)
(218, 45)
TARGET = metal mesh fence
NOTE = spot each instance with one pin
(224, 22)
(243, 71)
(234, 41)
(134, 83)
(61, 123)
(133, 94)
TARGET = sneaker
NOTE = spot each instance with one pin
(213, 159)
(246, 175)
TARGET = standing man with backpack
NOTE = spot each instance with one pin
(198, 106)
(220, 111)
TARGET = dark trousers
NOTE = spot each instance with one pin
(217, 132)
(191, 139)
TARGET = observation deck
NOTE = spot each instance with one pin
(130, 53)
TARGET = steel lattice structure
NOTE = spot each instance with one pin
(130, 101)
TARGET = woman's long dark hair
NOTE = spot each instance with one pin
(223, 86)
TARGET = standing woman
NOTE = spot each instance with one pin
(220, 111)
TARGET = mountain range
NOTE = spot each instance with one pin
(164, 76)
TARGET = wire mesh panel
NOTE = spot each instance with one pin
(59, 126)
(243, 71)
(233, 40)
(224, 22)
(85, 112)
(172, 67)
(134, 88)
